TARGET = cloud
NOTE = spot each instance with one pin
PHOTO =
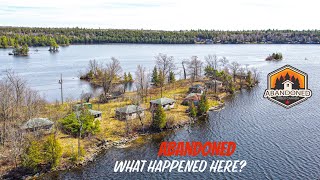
(162, 14)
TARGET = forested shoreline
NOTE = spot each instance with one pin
(11, 36)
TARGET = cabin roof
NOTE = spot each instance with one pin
(130, 109)
(193, 95)
(94, 112)
(287, 81)
(197, 86)
(214, 81)
(163, 101)
(36, 123)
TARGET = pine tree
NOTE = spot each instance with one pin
(203, 106)
(130, 79)
(278, 84)
(172, 78)
(125, 77)
(159, 121)
(193, 110)
(297, 84)
(155, 76)
(52, 151)
(287, 77)
(32, 156)
(249, 79)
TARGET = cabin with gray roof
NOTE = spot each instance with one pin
(36, 124)
(166, 103)
(196, 89)
(129, 112)
(211, 84)
(96, 114)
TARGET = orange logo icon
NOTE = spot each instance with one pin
(287, 86)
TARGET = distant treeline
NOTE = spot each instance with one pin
(9, 36)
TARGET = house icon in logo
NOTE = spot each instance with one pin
(287, 85)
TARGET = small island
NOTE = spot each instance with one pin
(274, 57)
(20, 50)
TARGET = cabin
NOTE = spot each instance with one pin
(37, 124)
(96, 114)
(287, 85)
(192, 97)
(129, 112)
(85, 105)
(166, 103)
(196, 89)
(213, 83)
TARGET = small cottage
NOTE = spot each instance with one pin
(213, 83)
(196, 89)
(166, 103)
(129, 112)
(36, 124)
(192, 97)
(96, 114)
(84, 105)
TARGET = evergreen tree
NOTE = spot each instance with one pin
(249, 79)
(125, 78)
(278, 84)
(52, 151)
(287, 77)
(155, 76)
(297, 84)
(130, 79)
(172, 78)
(193, 110)
(159, 121)
(203, 106)
(32, 156)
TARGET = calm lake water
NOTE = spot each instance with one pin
(277, 143)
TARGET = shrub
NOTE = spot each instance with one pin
(72, 125)
(159, 121)
(193, 110)
(203, 106)
(52, 151)
(32, 156)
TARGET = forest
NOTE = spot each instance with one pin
(10, 36)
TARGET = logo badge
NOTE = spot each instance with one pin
(287, 86)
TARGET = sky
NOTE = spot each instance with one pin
(163, 14)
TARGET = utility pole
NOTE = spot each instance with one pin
(60, 82)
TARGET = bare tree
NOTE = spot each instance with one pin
(184, 68)
(194, 68)
(142, 81)
(212, 62)
(242, 74)
(234, 66)
(224, 61)
(256, 75)
(6, 107)
(165, 64)
(110, 73)
(16, 144)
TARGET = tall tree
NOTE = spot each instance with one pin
(165, 64)
(155, 76)
(234, 66)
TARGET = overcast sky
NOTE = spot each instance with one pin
(162, 14)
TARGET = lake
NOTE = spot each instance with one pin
(277, 143)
